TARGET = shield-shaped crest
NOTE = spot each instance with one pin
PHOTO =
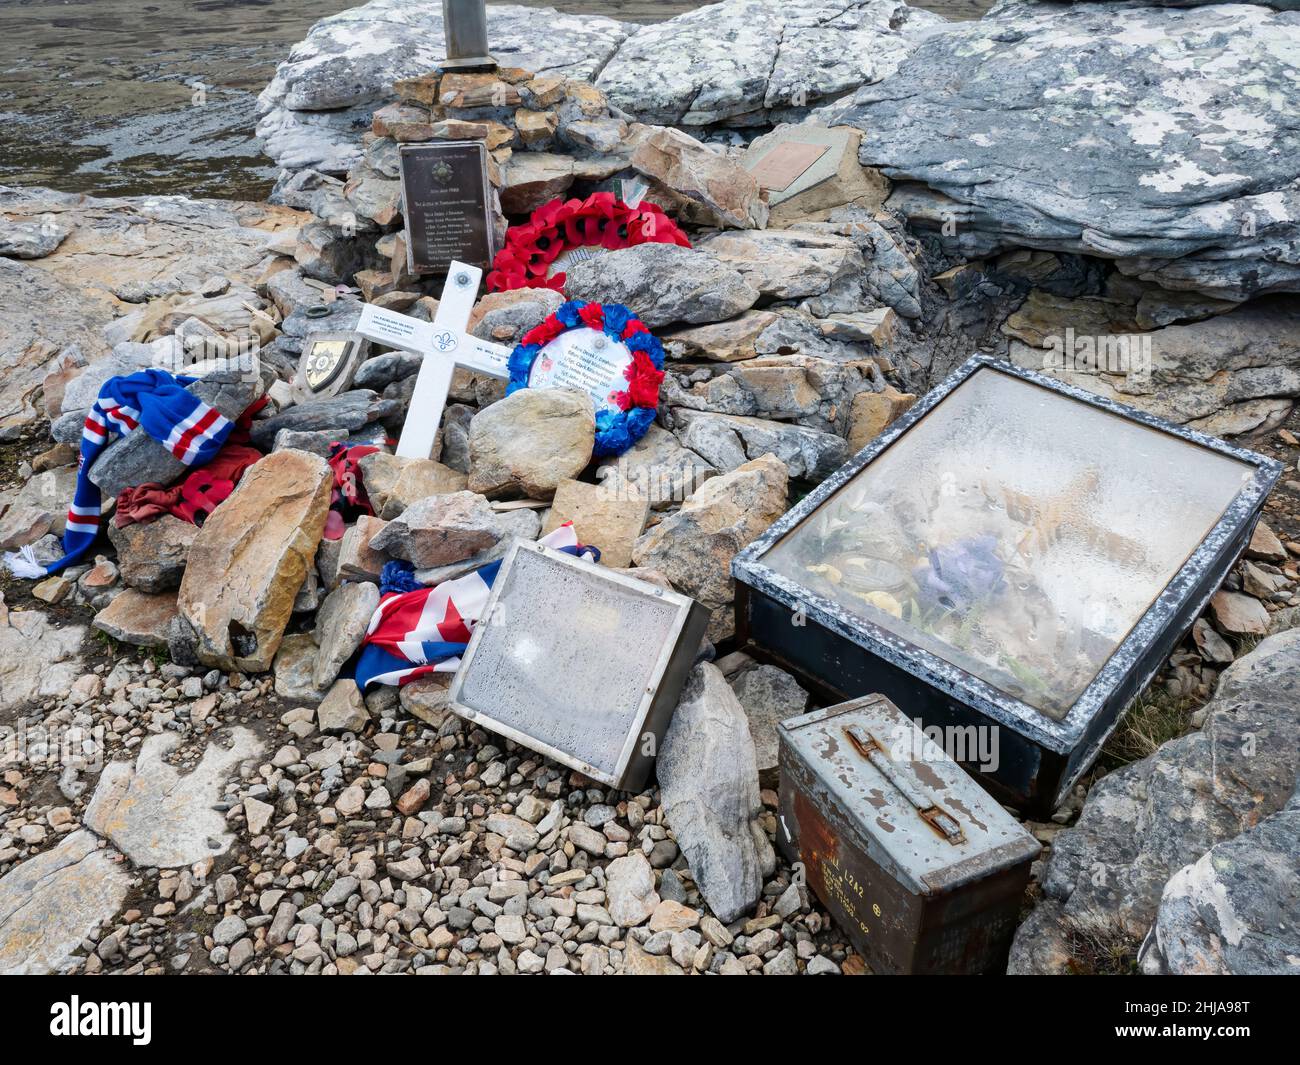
(328, 364)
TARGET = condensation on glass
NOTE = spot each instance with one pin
(1016, 533)
(568, 657)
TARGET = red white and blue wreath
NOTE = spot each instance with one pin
(624, 409)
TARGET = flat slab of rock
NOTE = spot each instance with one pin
(160, 817)
(601, 518)
(394, 483)
(53, 901)
(251, 557)
(440, 529)
(1186, 159)
(37, 657)
(151, 555)
(709, 783)
(340, 626)
(138, 618)
(769, 696)
(727, 441)
(1144, 822)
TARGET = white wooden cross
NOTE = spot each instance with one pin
(444, 345)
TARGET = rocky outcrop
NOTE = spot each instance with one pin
(250, 558)
(1177, 161)
(1145, 822)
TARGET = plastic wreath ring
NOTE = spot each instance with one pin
(630, 410)
(601, 221)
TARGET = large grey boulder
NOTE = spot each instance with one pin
(320, 101)
(709, 785)
(1234, 911)
(1145, 822)
(1162, 138)
(746, 62)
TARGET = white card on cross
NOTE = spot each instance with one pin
(444, 344)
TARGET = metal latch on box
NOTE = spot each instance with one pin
(930, 811)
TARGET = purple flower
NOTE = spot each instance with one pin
(960, 575)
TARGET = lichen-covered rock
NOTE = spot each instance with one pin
(1062, 127)
(1235, 910)
(251, 557)
(531, 441)
(663, 284)
(743, 62)
(709, 783)
(1146, 821)
(694, 547)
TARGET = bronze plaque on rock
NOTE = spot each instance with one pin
(786, 163)
(446, 202)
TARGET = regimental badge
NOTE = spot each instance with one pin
(328, 363)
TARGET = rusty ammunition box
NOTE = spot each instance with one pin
(922, 870)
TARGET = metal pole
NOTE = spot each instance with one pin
(464, 25)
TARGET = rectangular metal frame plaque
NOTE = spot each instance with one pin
(446, 205)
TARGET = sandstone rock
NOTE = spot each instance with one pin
(139, 618)
(531, 441)
(630, 890)
(636, 962)
(1179, 201)
(1238, 614)
(600, 518)
(769, 696)
(709, 783)
(159, 817)
(151, 555)
(358, 561)
(694, 547)
(1265, 545)
(729, 341)
(665, 283)
(440, 529)
(788, 264)
(51, 903)
(874, 412)
(658, 468)
(38, 507)
(535, 178)
(524, 524)
(340, 626)
(1233, 911)
(343, 709)
(504, 317)
(727, 441)
(295, 666)
(726, 190)
(1144, 822)
(427, 698)
(251, 557)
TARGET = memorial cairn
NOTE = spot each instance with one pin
(485, 572)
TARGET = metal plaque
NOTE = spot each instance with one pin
(579, 663)
(328, 363)
(446, 203)
(785, 164)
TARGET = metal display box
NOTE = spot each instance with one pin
(922, 870)
(1013, 553)
(579, 663)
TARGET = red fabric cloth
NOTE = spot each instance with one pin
(194, 498)
(348, 500)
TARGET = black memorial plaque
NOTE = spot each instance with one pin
(445, 198)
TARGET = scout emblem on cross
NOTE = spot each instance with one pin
(444, 345)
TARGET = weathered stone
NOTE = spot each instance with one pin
(151, 555)
(343, 709)
(769, 696)
(709, 783)
(730, 341)
(657, 468)
(358, 561)
(251, 557)
(728, 441)
(850, 183)
(347, 411)
(524, 524)
(874, 412)
(1144, 822)
(1181, 199)
(51, 903)
(427, 698)
(139, 618)
(504, 317)
(38, 507)
(340, 626)
(531, 441)
(630, 894)
(440, 529)
(788, 264)
(694, 547)
(724, 188)
(665, 283)
(295, 666)
(535, 178)
(159, 818)
(1238, 614)
(599, 517)
(37, 658)
(1234, 911)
